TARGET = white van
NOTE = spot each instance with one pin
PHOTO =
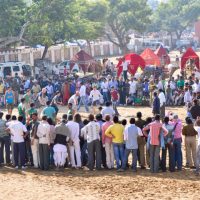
(11, 68)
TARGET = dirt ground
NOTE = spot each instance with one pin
(83, 184)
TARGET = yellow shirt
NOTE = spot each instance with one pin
(117, 131)
(1, 88)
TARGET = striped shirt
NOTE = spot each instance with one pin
(155, 129)
(91, 131)
(178, 129)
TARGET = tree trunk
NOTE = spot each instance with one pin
(90, 48)
(124, 49)
(45, 52)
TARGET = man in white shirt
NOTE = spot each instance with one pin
(162, 99)
(83, 97)
(50, 91)
(104, 87)
(133, 88)
(125, 68)
(74, 100)
(108, 110)
(18, 132)
(43, 133)
(196, 86)
(74, 142)
(37, 72)
(92, 131)
(187, 96)
(95, 95)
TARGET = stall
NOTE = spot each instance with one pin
(163, 55)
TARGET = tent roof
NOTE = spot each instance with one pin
(162, 54)
(82, 58)
(150, 57)
(189, 54)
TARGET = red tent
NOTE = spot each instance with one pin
(162, 54)
(83, 59)
(189, 54)
(134, 60)
(150, 57)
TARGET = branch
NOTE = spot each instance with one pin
(109, 37)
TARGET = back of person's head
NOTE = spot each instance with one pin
(70, 117)
(91, 117)
(166, 120)
(50, 121)
(44, 118)
(107, 118)
(23, 100)
(139, 115)
(8, 117)
(148, 120)
(14, 117)
(70, 105)
(115, 119)
(124, 122)
(48, 103)
(157, 117)
(32, 105)
(77, 118)
(1, 115)
(99, 117)
(85, 122)
(188, 120)
(195, 101)
(155, 94)
(20, 118)
(175, 117)
(100, 108)
(64, 117)
(107, 104)
(132, 120)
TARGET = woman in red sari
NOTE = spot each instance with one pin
(65, 92)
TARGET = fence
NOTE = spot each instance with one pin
(58, 53)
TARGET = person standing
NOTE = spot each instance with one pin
(197, 128)
(114, 98)
(18, 132)
(34, 139)
(195, 109)
(56, 101)
(141, 141)
(104, 87)
(190, 143)
(43, 133)
(125, 68)
(131, 134)
(83, 97)
(116, 131)
(168, 146)
(9, 100)
(162, 99)
(74, 101)
(177, 141)
(95, 95)
(49, 111)
(107, 142)
(62, 135)
(92, 130)
(108, 110)
(156, 104)
(74, 142)
(22, 109)
(121, 89)
(4, 142)
(154, 142)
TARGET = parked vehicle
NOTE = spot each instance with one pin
(66, 63)
(11, 68)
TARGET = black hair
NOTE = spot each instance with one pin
(124, 122)
(115, 119)
(139, 115)
(50, 121)
(132, 120)
(70, 117)
(107, 104)
(1, 115)
(44, 118)
(8, 117)
(20, 118)
(99, 117)
(14, 117)
(157, 117)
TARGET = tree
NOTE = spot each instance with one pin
(50, 22)
(176, 15)
(92, 15)
(12, 14)
(125, 16)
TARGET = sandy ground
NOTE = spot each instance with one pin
(83, 184)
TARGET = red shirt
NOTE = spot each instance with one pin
(114, 95)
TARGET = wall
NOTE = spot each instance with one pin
(58, 53)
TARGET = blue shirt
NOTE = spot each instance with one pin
(49, 112)
(9, 97)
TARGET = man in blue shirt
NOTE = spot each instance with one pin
(49, 111)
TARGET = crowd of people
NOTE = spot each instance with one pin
(38, 138)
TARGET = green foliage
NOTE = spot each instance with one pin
(176, 15)
(126, 15)
(11, 17)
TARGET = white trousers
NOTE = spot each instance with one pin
(109, 155)
(35, 152)
(75, 148)
(60, 155)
